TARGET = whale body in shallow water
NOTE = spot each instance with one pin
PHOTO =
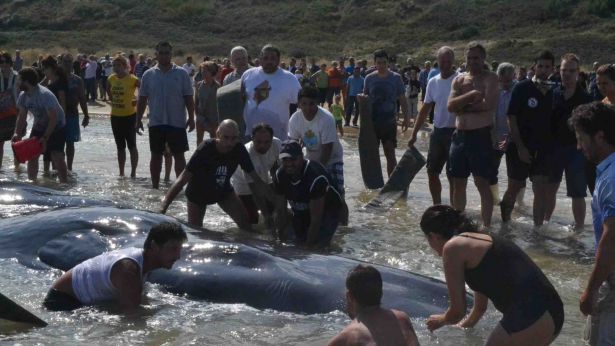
(214, 267)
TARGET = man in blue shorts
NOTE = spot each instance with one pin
(75, 97)
(474, 99)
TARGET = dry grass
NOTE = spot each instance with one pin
(513, 30)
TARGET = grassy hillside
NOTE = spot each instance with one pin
(512, 30)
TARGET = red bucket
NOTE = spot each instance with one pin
(27, 149)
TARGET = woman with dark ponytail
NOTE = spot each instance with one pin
(497, 270)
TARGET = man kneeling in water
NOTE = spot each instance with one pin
(117, 276)
(372, 325)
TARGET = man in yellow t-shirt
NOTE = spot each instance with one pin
(121, 86)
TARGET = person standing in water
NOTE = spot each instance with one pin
(497, 270)
(121, 86)
(594, 126)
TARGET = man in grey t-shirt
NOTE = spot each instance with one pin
(384, 89)
(167, 90)
(49, 121)
(239, 59)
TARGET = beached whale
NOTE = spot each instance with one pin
(214, 267)
(21, 198)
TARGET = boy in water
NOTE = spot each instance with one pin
(338, 114)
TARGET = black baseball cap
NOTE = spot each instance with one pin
(290, 149)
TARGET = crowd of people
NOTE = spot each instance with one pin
(549, 120)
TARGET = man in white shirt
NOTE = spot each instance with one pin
(90, 78)
(269, 92)
(436, 95)
(314, 127)
(264, 150)
(189, 67)
(107, 66)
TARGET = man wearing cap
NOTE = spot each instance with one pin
(315, 203)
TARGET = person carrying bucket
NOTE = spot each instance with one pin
(49, 121)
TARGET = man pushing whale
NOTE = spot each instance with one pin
(117, 277)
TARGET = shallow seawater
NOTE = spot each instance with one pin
(392, 238)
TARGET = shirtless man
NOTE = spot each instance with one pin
(371, 324)
(474, 99)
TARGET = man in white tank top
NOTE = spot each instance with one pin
(117, 276)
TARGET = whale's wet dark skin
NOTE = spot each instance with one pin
(214, 267)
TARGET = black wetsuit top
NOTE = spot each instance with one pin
(515, 285)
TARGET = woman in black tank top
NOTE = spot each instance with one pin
(497, 270)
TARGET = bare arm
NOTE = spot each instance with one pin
(177, 186)
(605, 264)
(83, 102)
(406, 328)
(108, 91)
(524, 154)
(420, 120)
(281, 216)
(20, 126)
(190, 107)
(126, 277)
(196, 97)
(403, 103)
(51, 125)
(259, 188)
(317, 208)
(478, 310)
(325, 154)
(454, 266)
(491, 99)
(457, 101)
(141, 104)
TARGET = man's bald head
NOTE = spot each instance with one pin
(227, 136)
(446, 50)
(228, 125)
(446, 59)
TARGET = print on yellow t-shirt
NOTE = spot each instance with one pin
(123, 94)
